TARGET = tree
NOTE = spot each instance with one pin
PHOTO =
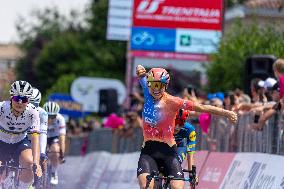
(227, 68)
(72, 50)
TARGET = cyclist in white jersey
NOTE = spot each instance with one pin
(55, 137)
(35, 100)
(17, 117)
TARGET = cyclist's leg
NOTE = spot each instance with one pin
(146, 164)
(173, 167)
(54, 158)
(25, 159)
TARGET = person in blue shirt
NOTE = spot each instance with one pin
(185, 137)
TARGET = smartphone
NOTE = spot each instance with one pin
(256, 118)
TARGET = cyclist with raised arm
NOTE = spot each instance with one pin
(185, 137)
(159, 112)
(55, 138)
(35, 100)
(17, 118)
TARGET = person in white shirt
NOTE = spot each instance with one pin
(35, 100)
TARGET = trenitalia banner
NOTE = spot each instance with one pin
(198, 14)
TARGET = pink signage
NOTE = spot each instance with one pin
(170, 55)
(215, 169)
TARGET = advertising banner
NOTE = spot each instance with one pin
(68, 105)
(197, 41)
(214, 170)
(144, 38)
(202, 14)
(119, 19)
(255, 170)
(170, 55)
(86, 91)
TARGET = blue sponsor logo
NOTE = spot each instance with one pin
(157, 39)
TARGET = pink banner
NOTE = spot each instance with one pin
(201, 14)
(171, 55)
(200, 158)
(214, 170)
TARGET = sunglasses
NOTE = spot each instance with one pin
(155, 85)
(51, 116)
(20, 99)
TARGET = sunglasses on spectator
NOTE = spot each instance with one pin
(20, 99)
(156, 85)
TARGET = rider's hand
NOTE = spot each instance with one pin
(38, 170)
(140, 71)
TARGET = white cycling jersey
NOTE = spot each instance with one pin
(57, 127)
(14, 129)
(43, 129)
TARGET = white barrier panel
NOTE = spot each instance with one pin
(255, 171)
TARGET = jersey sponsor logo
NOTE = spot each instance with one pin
(192, 136)
(151, 122)
(179, 173)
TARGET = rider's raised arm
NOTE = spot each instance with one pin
(195, 106)
(232, 116)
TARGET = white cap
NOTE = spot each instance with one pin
(261, 83)
(269, 82)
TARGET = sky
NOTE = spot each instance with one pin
(11, 9)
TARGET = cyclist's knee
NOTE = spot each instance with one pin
(143, 181)
(177, 184)
(54, 147)
(26, 158)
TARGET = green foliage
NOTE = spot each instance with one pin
(62, 85)
(227, 69)
(58, 47)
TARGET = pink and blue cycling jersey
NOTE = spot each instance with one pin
(159, 115)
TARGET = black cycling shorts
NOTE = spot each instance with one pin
(155, 155)
(52, 140)
(13, 151)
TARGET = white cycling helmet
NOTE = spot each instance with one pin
(21, 88)
(36, 96)
(52, 108)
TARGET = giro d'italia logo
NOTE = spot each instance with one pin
(149, 6)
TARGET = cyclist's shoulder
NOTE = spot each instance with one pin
(42, 112)
(60, 117)
(31, 109)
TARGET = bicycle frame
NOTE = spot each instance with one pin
(166, 185)
(11, 177)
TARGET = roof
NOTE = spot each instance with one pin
(10, 52)
(270, 4)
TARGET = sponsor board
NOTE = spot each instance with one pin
(197, 41)
(85, 90)
(255, 171)
(170, 55)
(119, 20)
(144, 38)
(214, 170)
(245, 170)
(68, 105)
(202, 14)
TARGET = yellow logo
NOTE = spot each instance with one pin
(192, 136)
